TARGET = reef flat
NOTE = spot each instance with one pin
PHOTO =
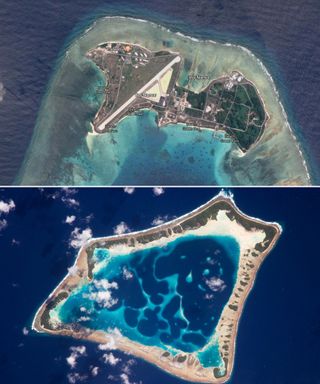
(74, 156)
(172, 294)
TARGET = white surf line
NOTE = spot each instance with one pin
(224, 194)
(146, 86)
(245, 49)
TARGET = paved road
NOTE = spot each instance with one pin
(101, 126)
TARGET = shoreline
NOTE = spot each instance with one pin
(190, 369)
(99, 125)
(297, 161)
(245, 49)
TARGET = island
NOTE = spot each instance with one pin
(171, 295)
(137, 79)
(132, 102)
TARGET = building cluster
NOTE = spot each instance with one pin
(130, 54)
(235, 78)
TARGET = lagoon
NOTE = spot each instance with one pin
(163, 308)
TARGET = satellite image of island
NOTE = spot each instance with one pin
(133, 102)
(159, 285)
(139, 79)
(172, 295)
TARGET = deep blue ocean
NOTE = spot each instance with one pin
(279, 333)
(284, 34)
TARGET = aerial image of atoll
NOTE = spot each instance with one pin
(159, 285)
(132, 102)
(171, 295)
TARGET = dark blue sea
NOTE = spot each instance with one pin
(279, 333)
(284, 34)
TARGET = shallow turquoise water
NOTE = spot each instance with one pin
(210, 356)
(140, 152)
(171, 297)
(73, 157)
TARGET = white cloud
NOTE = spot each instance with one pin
(114, 331)
(80, 237)
(121, 228)
(125, 379)
(160, 220)
(69, 191)
(76, 352)
(70, 219)
(129, 190)
(94, 371)
(102, 293)
(212, 261)
(105, 284)
(53, 196)
(81, 350)
(109, 358)
(72, 360)
(107, 346)
(70, 202)
(6, 207)
(73, 271)
(84, 318)
(89, 218)
(126, 274)
(131, 362)
(86, 311)
(216, 284)
(3, 224)
(126, 368)
(157, 191)
(66, 196)
(2, 92)
(103, 298)
(75, 377)
(25, 331)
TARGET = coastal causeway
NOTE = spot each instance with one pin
(218, 218)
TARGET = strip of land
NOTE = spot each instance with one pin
(137, 78)
(219, 216)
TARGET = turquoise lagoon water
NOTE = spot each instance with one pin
(140, 151)
(171, 297)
